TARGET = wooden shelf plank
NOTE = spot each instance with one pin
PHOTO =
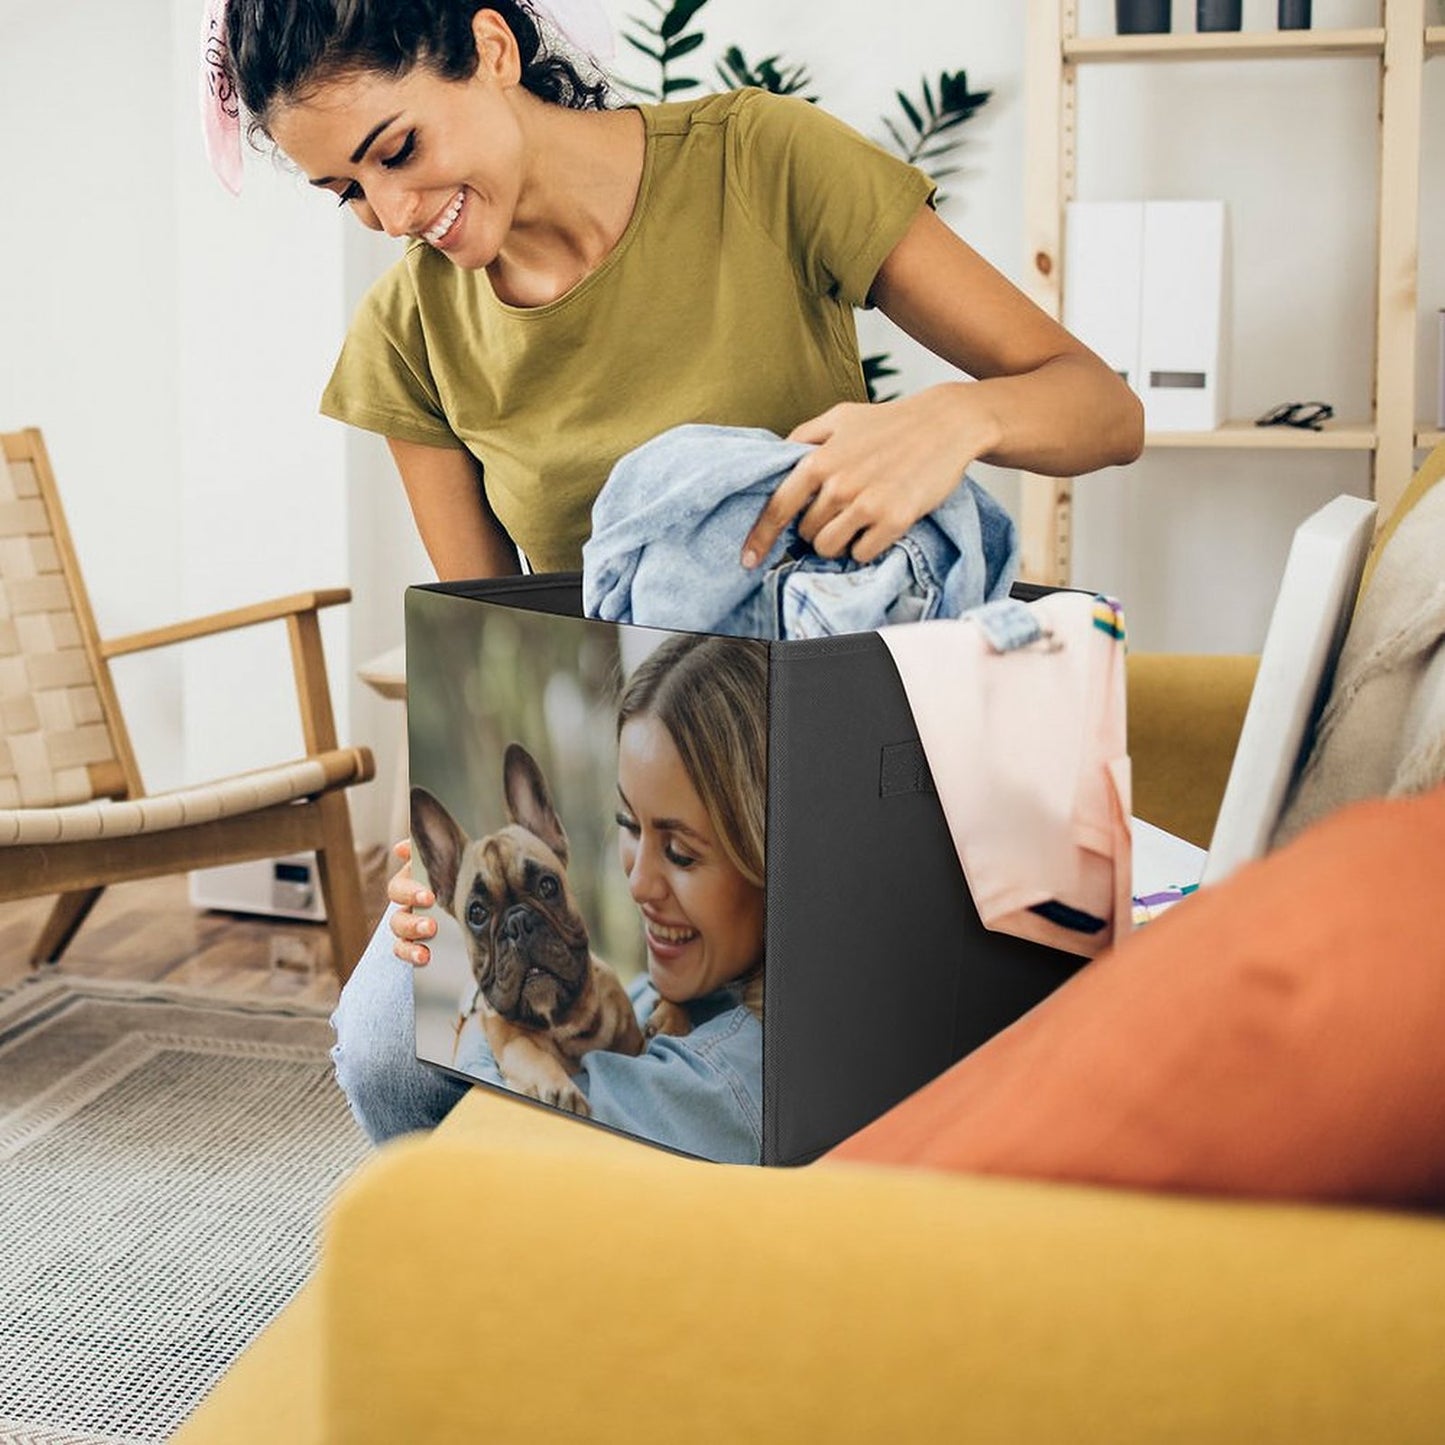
(1232, 45)
(1434, 40)
(1427, 438)
(1244, 435)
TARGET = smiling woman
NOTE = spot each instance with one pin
(415, 170)
(578, 280)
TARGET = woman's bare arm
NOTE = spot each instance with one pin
(1057, 409)
(1041, 400)
(458, 529)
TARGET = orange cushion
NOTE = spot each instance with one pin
(1282, 1034)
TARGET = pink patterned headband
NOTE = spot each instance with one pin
(220, 105)
(583, 24)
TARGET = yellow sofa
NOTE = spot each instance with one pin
(516, 1277)
(520, 1277)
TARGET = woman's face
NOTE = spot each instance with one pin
(702, 919)
(420, 156)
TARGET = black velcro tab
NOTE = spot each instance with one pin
(903, 768)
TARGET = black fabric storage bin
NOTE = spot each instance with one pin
(878, 973)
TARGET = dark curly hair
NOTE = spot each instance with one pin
(279, 51)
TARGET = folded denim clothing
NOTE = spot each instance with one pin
(668, 531)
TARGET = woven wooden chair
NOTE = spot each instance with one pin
(74, 813)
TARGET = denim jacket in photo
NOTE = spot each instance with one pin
(701, 1093)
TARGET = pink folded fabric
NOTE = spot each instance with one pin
(1029, 754)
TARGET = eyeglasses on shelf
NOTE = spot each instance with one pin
(1312, 415)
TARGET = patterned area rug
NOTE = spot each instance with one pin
(165, 1158)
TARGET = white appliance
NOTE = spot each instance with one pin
(277, 887)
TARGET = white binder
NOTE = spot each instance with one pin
(1181, 308)
(1103, 267)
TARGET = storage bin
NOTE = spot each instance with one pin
(878, 974)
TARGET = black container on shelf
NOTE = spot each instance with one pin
(1218, 14)
(1141, 17)
(1294, 14)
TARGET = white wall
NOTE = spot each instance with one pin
(88, 248)
(264, 506)
(171, 342)
(199, 478)
(386, 558)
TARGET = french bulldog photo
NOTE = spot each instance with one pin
(544, 998)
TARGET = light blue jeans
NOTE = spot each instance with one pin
(389, 1089)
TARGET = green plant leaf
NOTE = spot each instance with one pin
(875, 369)
(685, 45)
(636, 44)
(954, 104)
(954, 93)
(910, 112)
(677, 18)
(769, 73)
(665, 42)
(948, 122)
(731, 70)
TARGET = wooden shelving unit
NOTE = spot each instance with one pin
(1398, 47)
(1245, 436)
(1225, 45)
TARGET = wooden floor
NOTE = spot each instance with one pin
(149, 932)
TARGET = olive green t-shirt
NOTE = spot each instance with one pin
(760, 223)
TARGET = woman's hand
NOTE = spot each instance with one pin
(409, 928)
(877, 470)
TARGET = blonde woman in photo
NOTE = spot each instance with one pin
(691, 795)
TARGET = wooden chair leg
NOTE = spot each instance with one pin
(340, 872)
(70, 911)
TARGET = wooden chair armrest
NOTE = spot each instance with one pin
(299, 612)
(217, 622)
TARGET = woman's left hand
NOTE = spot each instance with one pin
(877, 470)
